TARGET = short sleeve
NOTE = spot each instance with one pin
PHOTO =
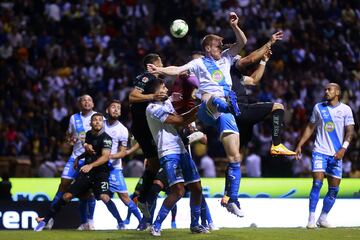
(123, 139)
(314, 115)
(71, 128)
(349, 118)
(107, 142)
(193, 65)
(158, 112)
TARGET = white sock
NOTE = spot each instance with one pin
(311, 216)
(323, 216)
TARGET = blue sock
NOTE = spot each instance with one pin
(221, 105)
(163, 212)
(195, 214)
(133, 209)
(58, 196)
(83, 207)
(329, 199)
(205, 212)
(112, 208)
(91, 207)
(314, 195)
(232, 181)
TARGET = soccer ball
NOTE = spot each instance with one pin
(179, 28)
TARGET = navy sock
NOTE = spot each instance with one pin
(54, 209)
(83, 207)
(314, 195)
(329, 199)
(112, 208)
(91, 203)
(278, 124)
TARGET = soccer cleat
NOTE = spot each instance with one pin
(281, 150)
(144, 208)
(91, 225)
(195, 136)
(199, 229)
(155, 231)
(40, 226)
(143, 225)
(173, 224)
(311, 224)
(50, 224)
(232, 207)
(83, 227)
(323, 223)
(126, 221)
(212, 227)
(121, 226)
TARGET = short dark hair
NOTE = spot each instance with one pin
(112, 101)
(154, 85)
(96, 115)
(150, 58)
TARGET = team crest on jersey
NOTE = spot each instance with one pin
(217, 76)
(329, 126)
(82, 136)
(145, 79)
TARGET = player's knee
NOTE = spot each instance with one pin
(277, 106)
(195, 188)
(178, 191)
(105, 198)
(124, 197)
(67, 197)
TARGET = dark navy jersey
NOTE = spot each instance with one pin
(99, 142)
(144, 82)
(238, 84)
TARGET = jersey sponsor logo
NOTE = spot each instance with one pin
(217, 76)
(107, 141)
(329, 126)
(325, 113)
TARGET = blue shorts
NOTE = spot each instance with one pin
(69, 172)
(225, 123)
(179, 168)
(117, 181)
(325, 163)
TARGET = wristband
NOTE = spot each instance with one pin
(345, 144)
(262, 62)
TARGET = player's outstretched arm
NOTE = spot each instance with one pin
(133, 149)
(183, 119)
(136, 96)
(256, 55)
(170, 71)
(305, 136)
(240, 36)
(254, 79)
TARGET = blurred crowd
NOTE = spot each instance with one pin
(51, 52)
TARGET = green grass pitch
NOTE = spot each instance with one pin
(222, 234)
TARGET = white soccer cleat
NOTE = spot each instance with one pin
(323, 223)
(213, 227)
(235, 209)
(155, 232)
(83, 227)
(40, 226)
(91, 225)
(311, 225)
(50, 224)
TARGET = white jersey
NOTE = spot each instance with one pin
(165, 135)
(120, 135)
(341, 115)
(78, 126)
(211, 83)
